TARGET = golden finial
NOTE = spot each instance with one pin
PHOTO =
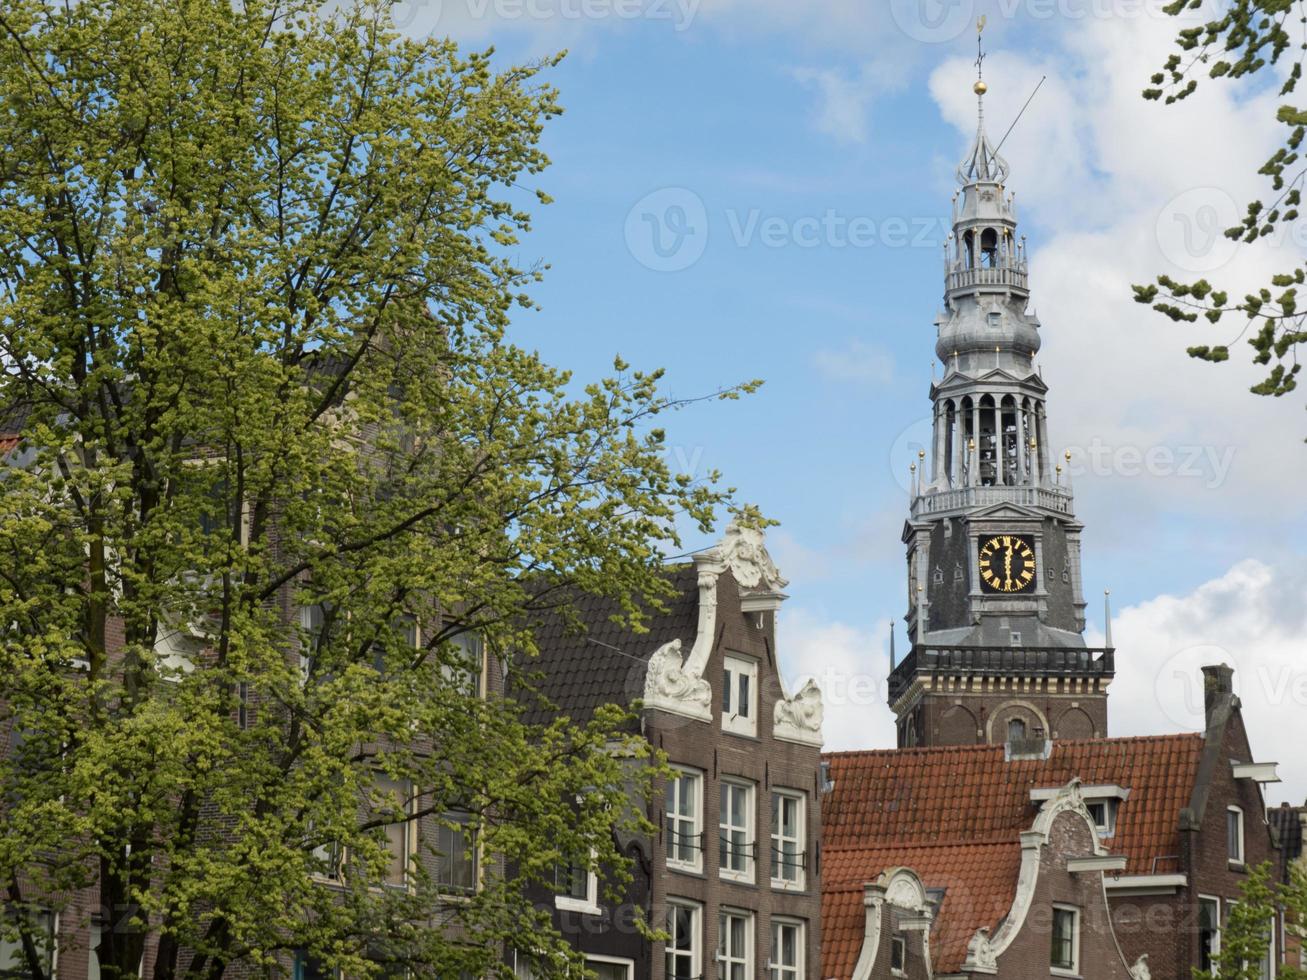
(1067, 455)
(921, 454)
(980, 88)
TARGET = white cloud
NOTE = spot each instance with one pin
(857, 361)
(850, 665)
(1119, 190)
(842, 103)
(1253, 618)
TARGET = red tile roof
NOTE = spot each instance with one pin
(978, 881)
(8, 442)
(954, 815)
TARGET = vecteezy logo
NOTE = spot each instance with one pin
(1178, 686)
(932, 21)
(1191, 229)
(906, 453)
(667, 230)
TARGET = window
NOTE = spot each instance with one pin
(578, 888)
(41, 927)
(311, 968)
(788, 857)
(1065, 955)
(395, 806)
(456, 866)
(898, 955)
(1016, 730)
(787, 949)
(610, 967)
(93, 954)
(685, 821)
(735, 851)
(462, 668)
(740, 696)
(1209, 932)
(1103, 813)
(1234, 834)
(683, 950)
(243, 705)
(734, 945)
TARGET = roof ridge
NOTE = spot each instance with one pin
(929, 749)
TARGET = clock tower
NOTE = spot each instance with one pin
(996, 608)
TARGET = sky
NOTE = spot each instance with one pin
(760, 189)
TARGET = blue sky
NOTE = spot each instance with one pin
(757, 190)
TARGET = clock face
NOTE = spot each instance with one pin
(1007, 564)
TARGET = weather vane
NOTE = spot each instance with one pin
(980, 47)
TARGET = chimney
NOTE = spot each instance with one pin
(1217, 688)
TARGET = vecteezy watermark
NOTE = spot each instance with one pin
(1208, 464)
(428, 15)
(1180, 688)
(940, 21)
(906, 452)
(1191, 229)
(668, 230)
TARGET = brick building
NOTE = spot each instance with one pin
(1290, 826)
(1176, 822)
(734, 872)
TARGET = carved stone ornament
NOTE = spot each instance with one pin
(743, 551)
(981, 957)
(1140, 970)
(798, 719)
(669, 686)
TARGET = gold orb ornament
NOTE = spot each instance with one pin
(980, 88)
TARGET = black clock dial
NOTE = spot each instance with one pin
(1007, 564)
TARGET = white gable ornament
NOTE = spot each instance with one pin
(981, 957)
(798, 719)
(669, 686)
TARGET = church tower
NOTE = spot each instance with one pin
(996, 608)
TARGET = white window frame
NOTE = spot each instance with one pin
(696, 936)
(747, 829)
(672, 795)
(726, 958)
(799, 798)
(898, 942)
(780, 971)
(1074, 969)
(733, 721)
(471, 845)
(1109, 804)
(404, 789)
(54, 940)
(1220, 928)
(621, 961)
(588, 905)
(1238, 813)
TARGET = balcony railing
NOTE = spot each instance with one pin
(999, 276)
(1056, 499)
(940, 662)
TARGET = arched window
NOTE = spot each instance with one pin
(1016, 730)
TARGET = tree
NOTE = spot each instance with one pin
(1243, 42)
(279, 463)
(1245, 940)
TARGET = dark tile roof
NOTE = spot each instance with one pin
(1287, 821)
(954, 815)
(597, 661)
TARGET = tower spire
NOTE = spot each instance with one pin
(982, 163)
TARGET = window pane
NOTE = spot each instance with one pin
(608, 971)
(456, 854)
(744, 695)
(13, 963)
